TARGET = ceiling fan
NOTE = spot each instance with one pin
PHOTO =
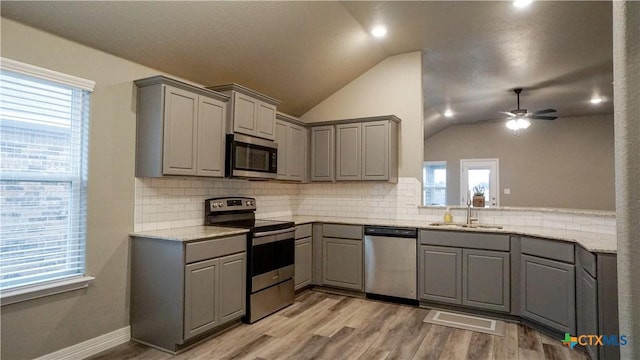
(519, 118)
(523, 113)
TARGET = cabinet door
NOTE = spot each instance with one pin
(200, 297)
(486, 279)
(211, 137)
(244, 114)
(348, 152)
(587, 307)
(297, 152)
(322, 153)
(303, 263)
(265, 120)
(547, 293)
(180, 132)
(440, 274)
(375, 150)
(342, 263)
(282, 130)
(232, 287)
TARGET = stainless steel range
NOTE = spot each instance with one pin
(270, 254)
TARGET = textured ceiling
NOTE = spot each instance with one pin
(475, 53)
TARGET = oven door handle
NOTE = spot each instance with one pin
(275, 232)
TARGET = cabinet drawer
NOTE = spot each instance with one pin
(303, 231)
(587, 260)
(550, 249)
(208, 249)
(342, 231)
(470, 240)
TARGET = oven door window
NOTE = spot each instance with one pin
(272, 256)
(252, 157)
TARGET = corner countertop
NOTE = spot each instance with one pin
(190, 233)
(591, 241)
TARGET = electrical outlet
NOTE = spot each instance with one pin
(507, 191)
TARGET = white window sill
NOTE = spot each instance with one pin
(34, 292)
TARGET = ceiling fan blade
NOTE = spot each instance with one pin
(545, 111)
(507, 113)
(539, 117)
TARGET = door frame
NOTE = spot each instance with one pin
(492, 163)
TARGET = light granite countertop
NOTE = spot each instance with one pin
(190, 233)
(592, 241)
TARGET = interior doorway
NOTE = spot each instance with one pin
(480, 173)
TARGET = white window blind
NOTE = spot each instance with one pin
(43, 175)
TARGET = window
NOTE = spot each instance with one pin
(43, 175)
(434, 175)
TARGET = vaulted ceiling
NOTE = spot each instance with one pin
(475, 53)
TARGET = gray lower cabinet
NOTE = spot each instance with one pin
(587, 307)
(182, 290)
(465, 268)
(547, 292)
(201, 289)
(342, 256)
(342, 263)
(486, 280)
(180, 129)
(303, 263)
(440, 277)
(469, 277)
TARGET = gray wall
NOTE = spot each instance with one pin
(566, 163)
(41, 326)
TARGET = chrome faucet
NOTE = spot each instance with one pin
(470, 219)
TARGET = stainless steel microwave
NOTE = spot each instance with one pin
(251, 157)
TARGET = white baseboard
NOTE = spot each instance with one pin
(91, 346)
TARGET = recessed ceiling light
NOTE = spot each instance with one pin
(448, 113)
(596, 100)
(379, 31)
(521, 3)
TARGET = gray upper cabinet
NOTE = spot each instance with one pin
(292, 148)
(250, 112)
(365, 149)
(348, 151)
(380, 150)
(322, 153)
(180, 129)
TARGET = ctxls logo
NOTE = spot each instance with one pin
(597, 340)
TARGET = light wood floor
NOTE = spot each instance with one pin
(328, 326)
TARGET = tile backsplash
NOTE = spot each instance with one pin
(163, 203)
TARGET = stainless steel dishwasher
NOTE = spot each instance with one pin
(390, 261)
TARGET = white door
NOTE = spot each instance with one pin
(479, 172)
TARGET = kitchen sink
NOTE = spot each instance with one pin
(472, 226)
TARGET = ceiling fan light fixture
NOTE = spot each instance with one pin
(512, 124)
(448, 113)
(523, 123)
(596, 100)
(522, 3)
(379, 31)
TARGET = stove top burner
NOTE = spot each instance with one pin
(256, 225)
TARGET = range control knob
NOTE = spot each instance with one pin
(248, 203)
(215, 205)
(220, 204)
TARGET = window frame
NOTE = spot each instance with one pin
(425, 186)
(77, 180)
